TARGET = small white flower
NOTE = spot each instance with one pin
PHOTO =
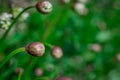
(5, 16)
(24, 16)
(80, 8)
(5, 20)
(17, 10)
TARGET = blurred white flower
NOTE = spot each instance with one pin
(103, 36)
(5, 16)
(17, 10)
(24, 16)
(5, 20)
(80, 8)
(114, 74)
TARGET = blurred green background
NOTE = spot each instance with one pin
(88, 33)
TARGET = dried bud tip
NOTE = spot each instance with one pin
(56, 52)
(44, 6)
(35, 49)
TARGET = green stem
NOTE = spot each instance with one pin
(51, 26)
(14, 21)
(19, 75)
(11, 55)
(49, 45)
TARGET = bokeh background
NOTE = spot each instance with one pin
(88, 31)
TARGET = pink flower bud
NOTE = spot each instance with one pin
(56, 52)
(38, 72)
(44, 6)
(95, 47)
(35, 49)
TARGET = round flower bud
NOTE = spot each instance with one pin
(65, 1)
(118, 57)
(95, 47)
(19, 70)
(56, 52)
(44, 6)
(38, 72)
(80, 8)
(35, 49)
(64, 78)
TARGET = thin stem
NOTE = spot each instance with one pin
(49, 45)
(51, 26)
(14, 21)
(19, 75)
(29, 69)
(11, 55)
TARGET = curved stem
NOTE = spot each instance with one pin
(11, 55)
(14, 21)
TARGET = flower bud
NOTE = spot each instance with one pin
(44, 6)
(118, 57)
(95, 47)
(65, 1)
(64, 78)
(35, 49)
(38, 72)
(19, 70)
(56, 52)
(80, 8)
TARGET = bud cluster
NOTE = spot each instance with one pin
(38, 49)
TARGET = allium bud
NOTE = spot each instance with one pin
(95, 47)
(38, 72)
(19, 70)
(65, 1)
(80, 8)
(56, 52)
(44, 6)
(64, 78)
(118, 57)
(35, 49)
